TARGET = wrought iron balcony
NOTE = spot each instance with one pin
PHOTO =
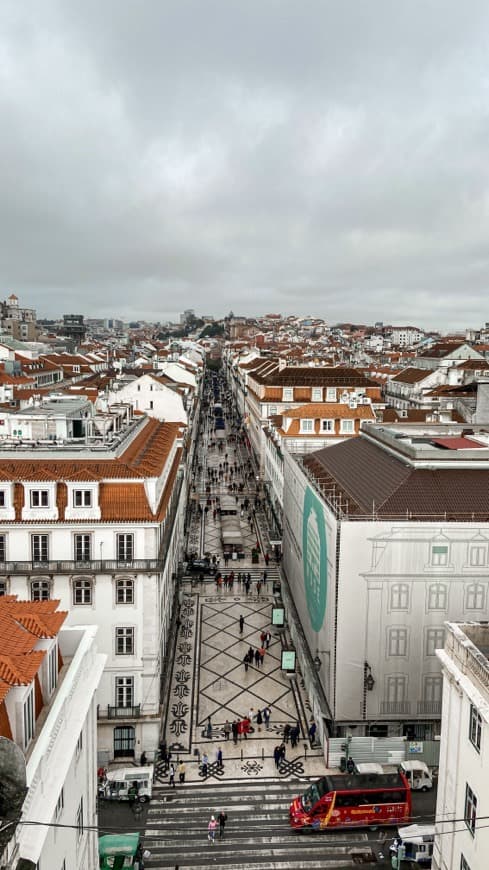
(90, 566)
(395, 708)
(109, 712)
(429, 708)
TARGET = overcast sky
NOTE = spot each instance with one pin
(262, 155)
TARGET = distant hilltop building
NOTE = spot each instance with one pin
(74, 327)
(19, 323)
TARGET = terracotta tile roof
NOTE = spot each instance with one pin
(124, 501)
(144, 457)
(22, 624)
(310, 376)
(330, 410)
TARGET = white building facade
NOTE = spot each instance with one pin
(61, 755)
(101, 531)
(373, 583)
(462, 834)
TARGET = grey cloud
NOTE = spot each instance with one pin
(304, 156)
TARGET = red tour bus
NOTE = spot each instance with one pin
(347, 801)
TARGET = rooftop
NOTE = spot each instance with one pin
(408, 473)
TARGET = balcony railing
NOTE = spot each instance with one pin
(109, 712)
(395, 708)
(90, 566)
(429, 708)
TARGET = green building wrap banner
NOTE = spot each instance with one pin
(314, 558)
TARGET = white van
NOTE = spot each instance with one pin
(417, 775)
(417, 844)
(368, 767)
(127, 783)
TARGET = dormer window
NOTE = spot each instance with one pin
(3, 500)
(39, 498)
(307, 425)
(317, 394)
(82, 498)
(331, 394)
(288, 394)
(327, 425)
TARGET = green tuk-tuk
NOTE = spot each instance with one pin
(118, 851)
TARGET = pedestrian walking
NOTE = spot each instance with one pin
(259, 720)
(246, 662)
(258, 587)
(181, 772)
(205, 765)
(241, 624)
(286, 733)
(262, 652)
(171, 774)
(234, 729)
(211, 830)
(276, 756)
(266, 717)
(220, 764)
(268, 638)
(312, 732)
(222, 819)
(208, 730)
(227, 729)
(257, 658)
(282, 751)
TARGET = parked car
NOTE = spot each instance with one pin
(201, 566)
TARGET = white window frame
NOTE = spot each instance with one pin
(437, 596)
(475, 596)
(40, 495)
(53, 668)
(29, 718)
(127, 587)
(82, 591)
(331, 394)
(40, 542)
(40, 585)
(3, 548)
(470, 809)
(82, 498)
(124, 544)
(82, 547)
(475, 728)
(327, 425)
(432, 687)
(317, 394)
(399, 597)
(307, 426)
(396, 686)
(397, 641)
(347, 427)
(124, 640)
(3, 498)
(433, 641)
(124, 690)
(439, 555)
(287, 394)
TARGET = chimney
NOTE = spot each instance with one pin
(482, 406)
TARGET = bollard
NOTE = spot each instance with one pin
(305, 751)
(241, 753)
(262, 754)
